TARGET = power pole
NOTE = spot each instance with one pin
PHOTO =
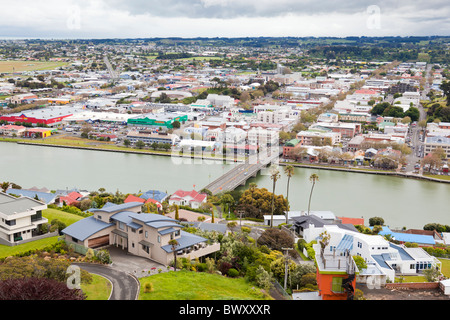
(286, 260)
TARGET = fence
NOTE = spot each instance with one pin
(78, 248)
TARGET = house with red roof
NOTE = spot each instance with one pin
(71, 198)
(133, 198)
(192, 198)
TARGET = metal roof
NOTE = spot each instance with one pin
(85, 228)
(186, 240)
(10, 205)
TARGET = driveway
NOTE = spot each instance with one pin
(134, 265)
(124, 285)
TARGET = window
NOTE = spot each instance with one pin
(159, 239)
(121, 226)
(99, 217)
(11, 222)
(146, 234)
(336, 285)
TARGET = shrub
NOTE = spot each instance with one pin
(103, 256)
(201, 267)
(233, 273)
(210, 265)
(224, 267)
(38, 289)
(148, 287)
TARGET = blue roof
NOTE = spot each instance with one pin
(166, 231)
(111, 207)
(85, 228)
(407, 237)
(46, 197)
(186, 240)
(155, 195)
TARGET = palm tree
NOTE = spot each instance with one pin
(289, 171)
(174, 244)
(313, 178)
(275, 175)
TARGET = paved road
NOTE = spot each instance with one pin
(124, 285)
(240, 173)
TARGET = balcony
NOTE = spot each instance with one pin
(198, 250)
(329, 262)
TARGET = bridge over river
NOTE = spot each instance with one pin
(241, 173)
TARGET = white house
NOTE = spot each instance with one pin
(20, 218)
(192, 198)
(384, 259)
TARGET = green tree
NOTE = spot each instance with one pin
(126, 143)
(140, 144)
(445, 87)
(376, 221)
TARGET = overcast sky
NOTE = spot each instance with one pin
(221, 18)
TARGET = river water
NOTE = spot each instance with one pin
(401, 202)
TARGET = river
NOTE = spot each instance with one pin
(401, 202)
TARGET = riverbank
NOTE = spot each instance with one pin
(123, 150)
(366, 171)
(224, 159)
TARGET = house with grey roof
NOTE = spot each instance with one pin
(20, 218)
(142, 234)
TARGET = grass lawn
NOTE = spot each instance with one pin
(413, 279)
(99, 289)
(18, 65)
(65, 217)
(189, 285)
(6, 251)
(435, 176)
(445, 267)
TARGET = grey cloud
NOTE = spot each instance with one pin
(228, 9)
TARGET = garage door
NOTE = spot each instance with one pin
(98, 242)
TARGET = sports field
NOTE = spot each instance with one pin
(11, 66)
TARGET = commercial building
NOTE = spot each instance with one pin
(318, 138)
(157, 120)
(52, 116)
(158, 137)
(432, 143)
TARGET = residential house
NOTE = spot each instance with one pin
(142, 234)
(155, 195)
(20, 218)
(46, 197)
(133, 198)
(192, 198)
(384, 259)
